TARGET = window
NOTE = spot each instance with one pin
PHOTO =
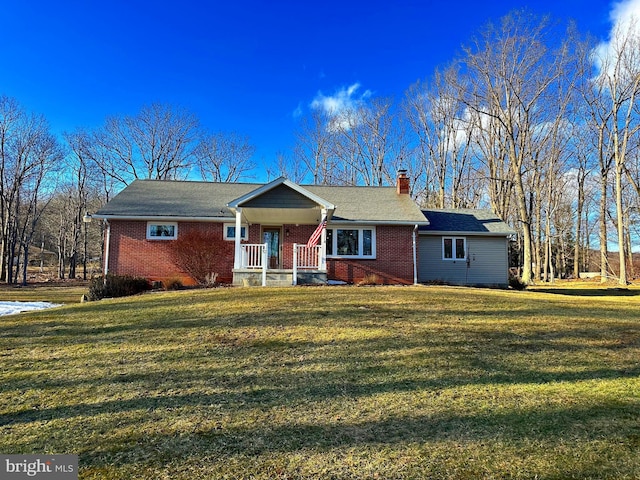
(454, 248)
(162, 231)
(230, 231)
(351, 242)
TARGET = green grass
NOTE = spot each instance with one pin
(330, 382)
(54, 293)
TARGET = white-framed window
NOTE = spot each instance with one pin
(353, 242)
(454, 248)
(230, 231)
(162, 231)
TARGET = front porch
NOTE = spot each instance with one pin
(257, 262)
(290, 222)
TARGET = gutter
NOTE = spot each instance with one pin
(462, 233)
(107, 243)
(393, 223)
(167, 218)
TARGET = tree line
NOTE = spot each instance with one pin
(533, 120)
(49, 185)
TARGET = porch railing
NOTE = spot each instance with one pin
(254, 256)
(306, 258)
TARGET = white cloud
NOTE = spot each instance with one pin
(625, 21)
(341, 106)
(298, 111)
(622, 12)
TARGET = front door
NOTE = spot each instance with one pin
(271, 236)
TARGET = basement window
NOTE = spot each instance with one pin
(162, 231)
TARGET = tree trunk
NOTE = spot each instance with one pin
(578, 235)
(622, 277)
(526, 229)
(604, 261)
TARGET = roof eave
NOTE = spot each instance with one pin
(465, 233)
(167, 218)
(380, 222)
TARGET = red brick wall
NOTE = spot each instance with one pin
(132, 254)
(393, 263)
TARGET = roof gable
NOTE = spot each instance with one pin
(281, 193)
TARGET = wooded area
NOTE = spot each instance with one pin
(534, 121)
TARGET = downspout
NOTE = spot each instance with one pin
(107, 242)
(415, 256)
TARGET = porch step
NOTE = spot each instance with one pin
(279, 279)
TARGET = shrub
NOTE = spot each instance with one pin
(369, 279)
(113, 286)
(200, 255)
(516, 283)
(172, 283)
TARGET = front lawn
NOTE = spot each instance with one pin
(330, 382)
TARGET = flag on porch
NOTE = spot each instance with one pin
(315, 236)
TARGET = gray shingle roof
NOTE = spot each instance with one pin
(465, 221)
(155, 198)
(203, 200)
(369, 203)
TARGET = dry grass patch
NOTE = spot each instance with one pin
(384, 382)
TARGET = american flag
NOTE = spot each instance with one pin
(315, 236)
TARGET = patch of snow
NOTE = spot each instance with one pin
(336, 282)
(9, 308)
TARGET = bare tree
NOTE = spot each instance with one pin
(28, 152)
(615, 114)
(368, 139)
(314, 147)
(80, 191)
(582, 167)
(513, 76)
(224, 157)
(158, 143)
(441, 124)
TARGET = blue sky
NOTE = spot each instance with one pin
(244, 66)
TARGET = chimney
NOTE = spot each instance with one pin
(403, 183)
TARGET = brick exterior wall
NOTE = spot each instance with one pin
(393, 263)
(130, 253)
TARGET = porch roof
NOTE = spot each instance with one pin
(282, 201)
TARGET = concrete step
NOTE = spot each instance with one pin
(279, 279)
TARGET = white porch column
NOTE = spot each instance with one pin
(237, 259)
(295, 264)
(323, 244)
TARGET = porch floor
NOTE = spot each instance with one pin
(250, 277)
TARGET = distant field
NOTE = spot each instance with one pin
(328, 382)
(66, 293)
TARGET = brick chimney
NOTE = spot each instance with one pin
(402, 183)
